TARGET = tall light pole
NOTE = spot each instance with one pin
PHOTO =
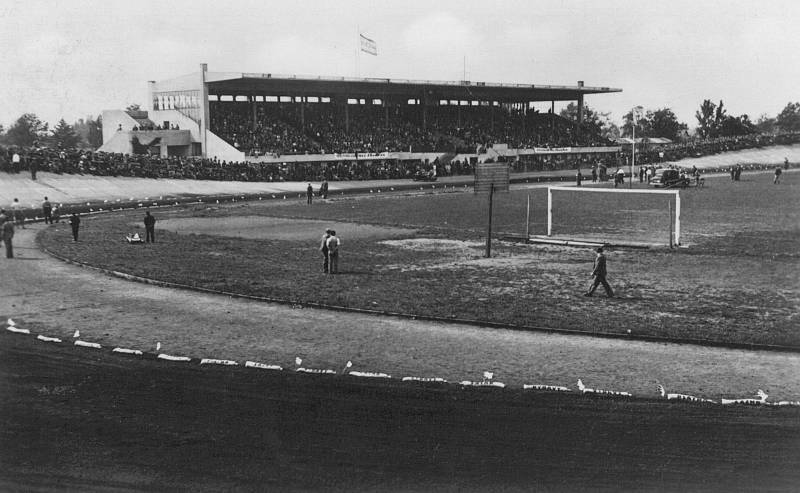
(636, 113)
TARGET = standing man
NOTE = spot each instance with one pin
(323, 189)
(578, 178)
(599, 274)
(594, 174)
(7, 233)
(150, 227)
(16, 211)
(324, 249)
(309, 194)
(778, 172)
(47, 211)
(75, 223)
(333, 244)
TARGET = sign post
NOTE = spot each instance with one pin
(489, 178)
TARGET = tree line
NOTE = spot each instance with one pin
(30, 131)
(713, 121)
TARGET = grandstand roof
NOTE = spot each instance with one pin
(268, 84)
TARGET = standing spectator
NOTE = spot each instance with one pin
(323, 189)
(56, 215)
(75, 223)
(578, 178)
(150, 227)
(16, 162)
(641, 174)
(778, 172)
(333, 244)
(599, 274)
(739, 169)
(309, 194)
(733, 173)
(649, 174)
(47, 211)
(786, 163)
(16, 211)
(34, 167)
(594, 174)
(324, 249)
(7, 233)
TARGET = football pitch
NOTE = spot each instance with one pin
(735, 281)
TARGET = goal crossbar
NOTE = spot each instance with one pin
(676, 193)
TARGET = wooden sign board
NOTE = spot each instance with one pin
(488, 174)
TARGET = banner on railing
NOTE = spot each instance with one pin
(363, 155)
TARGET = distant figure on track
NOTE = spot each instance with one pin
(150, 227)
(75, 223)
(47, 211)
(599, 274)
(778, 172)
(309, 194)
(578, 178)
(7, 233)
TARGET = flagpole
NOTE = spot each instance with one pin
(358, 49)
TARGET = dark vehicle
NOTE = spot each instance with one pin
(669, 178)
(424, 176)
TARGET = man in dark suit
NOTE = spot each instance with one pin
(599, 274)
(150, 227)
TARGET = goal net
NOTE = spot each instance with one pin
(608, 215)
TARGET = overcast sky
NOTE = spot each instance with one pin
(75, 58)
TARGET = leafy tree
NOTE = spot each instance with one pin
(90, 131)
(27, 130)
(720, 115)
(766, 124)
(594, 122)
(665, 124)
(643, 123)
(705, 118)
(789, 118)
(736, 125)
(64, 135)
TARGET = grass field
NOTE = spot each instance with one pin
(738, 281)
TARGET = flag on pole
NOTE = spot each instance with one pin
(368, 45)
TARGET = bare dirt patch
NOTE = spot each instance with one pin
(264, 227)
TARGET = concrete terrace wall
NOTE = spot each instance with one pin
(772, 155)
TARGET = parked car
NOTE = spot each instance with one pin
(669, 178)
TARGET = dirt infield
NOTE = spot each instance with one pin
(261, 227)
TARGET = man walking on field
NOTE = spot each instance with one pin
(599, 274)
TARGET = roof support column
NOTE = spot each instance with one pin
(424, 111)
(253, 105)
(303, 112)
(346, 116)
(204, 109)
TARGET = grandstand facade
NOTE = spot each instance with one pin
(247, 117)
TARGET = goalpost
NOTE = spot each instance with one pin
(629, 199)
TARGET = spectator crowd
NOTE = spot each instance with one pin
(77, 161)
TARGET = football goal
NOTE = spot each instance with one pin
(609, 215)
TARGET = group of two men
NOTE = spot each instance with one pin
(330, 252)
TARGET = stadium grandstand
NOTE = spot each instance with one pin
(266, 118)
